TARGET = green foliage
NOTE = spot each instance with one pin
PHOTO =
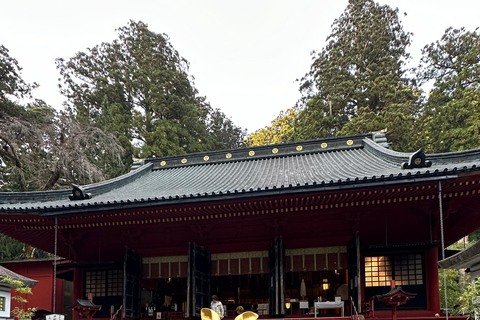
(474, 236)
(357, 83)
(137, 87)
(452, 63)
(455, 126)
(315, 121)
(281, 130)
(11, 83)
(450, 121)
(20, 289)
(456, 282)
(470, 299)
(9, 248)
(222, 131)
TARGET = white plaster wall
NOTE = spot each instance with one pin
(8, 298)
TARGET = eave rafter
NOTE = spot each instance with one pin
(317, 203)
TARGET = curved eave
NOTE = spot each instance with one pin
(97, 188)
(464, 259)
(76, 208)
(7, 273)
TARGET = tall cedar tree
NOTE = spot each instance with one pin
(42, 149)
(138, 87)
(358, 82)
(451, 119)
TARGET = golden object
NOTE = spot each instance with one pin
(323, 145)
(274, 150)
(251, 153)
(209, 314)
(184, 160)
(349, 142)
(206, 158)
(248, 315)
(299, 148)
(228, 155)
(163, 163)
(239, 310)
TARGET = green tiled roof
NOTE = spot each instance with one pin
(318, 165)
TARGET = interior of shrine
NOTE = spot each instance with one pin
(251, 292)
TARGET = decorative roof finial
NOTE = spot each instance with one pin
(79, 194)
(416, 160)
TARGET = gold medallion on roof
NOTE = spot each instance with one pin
(274, 150)
(163, 163)
(324, 145)
(206, 158)
(299, 148)
(349, 142)
(184, 160)
(251, 153)
(228, 155)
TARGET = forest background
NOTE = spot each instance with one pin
(134, 98)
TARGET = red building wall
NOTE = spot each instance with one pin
(42, 293)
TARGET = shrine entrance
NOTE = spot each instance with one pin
(245, 279)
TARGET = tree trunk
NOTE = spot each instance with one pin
(53, 178)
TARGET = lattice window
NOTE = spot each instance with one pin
(104, 283)
(378, 271)
(3, 305)
(408, 269)
(115, 283)
(405, 269)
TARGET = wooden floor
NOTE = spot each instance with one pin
(379, 315)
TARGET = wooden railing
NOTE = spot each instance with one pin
(353, 311)
(368, 310)
(368, 307)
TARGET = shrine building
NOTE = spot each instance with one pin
(275, 229)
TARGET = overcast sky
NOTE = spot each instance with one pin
(245, 55)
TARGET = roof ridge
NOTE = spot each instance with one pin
(260, 152)
(454, 156)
